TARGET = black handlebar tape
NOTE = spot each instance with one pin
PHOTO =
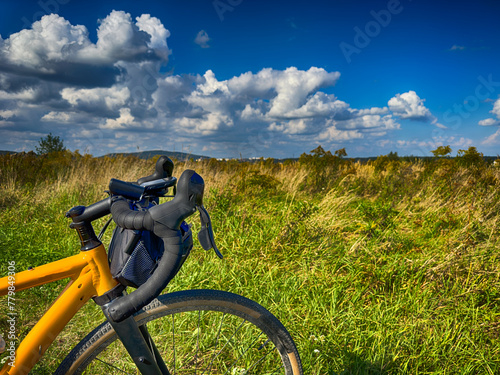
(129, 304)
(165, 221)
(127, 218)
(171, 214)
(163, 169)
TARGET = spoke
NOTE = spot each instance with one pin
(198, 337)
(264, 345)
(262, 358)
(197, 343)
(227, 342)
(113, 367)
(173, 337)
(242, 354)
(277, 369)
(216, 343)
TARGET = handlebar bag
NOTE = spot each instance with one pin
(134, 255)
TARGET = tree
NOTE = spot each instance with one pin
(341, 153)
(470, 157)
(441, 151)
(49, 144)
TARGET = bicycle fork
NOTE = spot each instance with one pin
(139, 345)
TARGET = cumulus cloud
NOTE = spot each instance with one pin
(100, 99)
(286, 102)
(494, 138)
(53, 116)
(158, 35)
(266, 97)
(409, 106)
(53, 50)
(50, 40)
(123, 121)
(202, 39)
(6, 114)
(489, 122)
(115, 97)
(495, 111)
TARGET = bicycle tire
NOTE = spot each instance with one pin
(258, 341)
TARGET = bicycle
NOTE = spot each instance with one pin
(191, 331)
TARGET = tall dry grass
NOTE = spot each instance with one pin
(384, 267)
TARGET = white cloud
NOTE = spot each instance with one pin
(7, 114)
(492, 139)
(296, 126)
(496, 108)
(280, 101)
(320, 104)
(26, 95)
(456, 47)
(206, 125)
(111, 98)
(372, 111)
(211, 85)
(287, 90)
(113, 92)
(488, 122)
(410, 106)
(53, 116)
(54, 50)
(125, 120)
(293, 86)
(158, 33)
(250, 113)
(495, 111)
(119, 39)
(380, 123)
(202, 39)
(51, 39)
(332, 134)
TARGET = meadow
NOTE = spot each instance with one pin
(384, 267)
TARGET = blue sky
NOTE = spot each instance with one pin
(231, 78)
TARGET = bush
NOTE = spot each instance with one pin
(323, 168)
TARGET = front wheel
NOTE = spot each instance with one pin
(196, 331)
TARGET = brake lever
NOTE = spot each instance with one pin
(206, 234)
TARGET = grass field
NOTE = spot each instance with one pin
(389, 267)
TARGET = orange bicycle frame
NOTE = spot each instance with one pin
(89, 277)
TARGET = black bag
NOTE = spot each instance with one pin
(133, 255)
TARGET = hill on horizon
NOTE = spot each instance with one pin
(181, 156)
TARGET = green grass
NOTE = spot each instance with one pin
(392, 271)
